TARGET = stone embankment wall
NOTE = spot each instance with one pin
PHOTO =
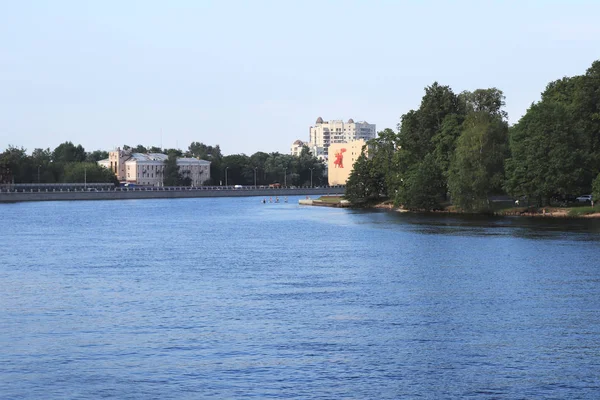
(11, 197)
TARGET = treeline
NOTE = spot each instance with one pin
(458, 149)
(67, 163)
(71, 163)
(260, 168)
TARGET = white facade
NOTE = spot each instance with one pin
(296, 148)
(148, 169)
(325, 133)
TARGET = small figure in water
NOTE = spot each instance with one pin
(264, 201)
(277, 199)
(270, 199)
(285, 199)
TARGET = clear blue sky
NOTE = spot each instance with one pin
(254, 75)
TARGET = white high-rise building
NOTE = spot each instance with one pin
(324, 133)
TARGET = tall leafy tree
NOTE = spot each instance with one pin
(426, 134)
(15, 166)
(477, 166)
(548, 154)
(90, 172)
(365, 183)
(67, 152)
(96, 156)
(556, 144)
(171, 175)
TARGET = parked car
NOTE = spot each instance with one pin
(586, 198)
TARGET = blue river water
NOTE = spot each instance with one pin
(232, 298)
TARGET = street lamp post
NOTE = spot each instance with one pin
(226, 168)
(285, 177)
(311, 170)
(85, 178)
(39, 173)
(255, 168)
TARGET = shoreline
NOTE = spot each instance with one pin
(18, 197)
(544, 212)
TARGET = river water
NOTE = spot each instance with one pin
(232, 298)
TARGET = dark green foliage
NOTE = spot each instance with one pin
(78, 172)
(596, 189)
(477, 167)
(375, 171)
(96, 156)
(556, 145)
(426, 139)
(422, 186)
(171, 176)
(365, 183)
(68, 152)
(15, 166)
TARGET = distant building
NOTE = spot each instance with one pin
(342, 157)
(296, 148)
(116, 162)
(148, 169)
(325, 133)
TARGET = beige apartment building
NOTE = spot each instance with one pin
(342, 157)
(148, 169)
(296, 148)
(325, 133)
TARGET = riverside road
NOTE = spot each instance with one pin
(87, 193)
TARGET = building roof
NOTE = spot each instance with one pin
(184, 160)
(319, 120)
(350, 121)
(161, 158)
(298, 142)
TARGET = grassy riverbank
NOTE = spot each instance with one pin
(497, 210)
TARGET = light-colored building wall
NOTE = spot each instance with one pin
(325, 133)
(145, 169)
(197, 170)
(342, 157)
(296, 148)
(148, 169)
(116, 162)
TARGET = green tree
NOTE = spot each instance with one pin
(596, 189)
(423, 186)
(381, 151)
(238, 170)
(171, 175)
(365, 183)
(67, 152)
(556, 145)
(96, 156)
(428, 133)
(16, 166)
(477, 167)
(305, 166)
(549, 154)
(79, 172)
(139, 149)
